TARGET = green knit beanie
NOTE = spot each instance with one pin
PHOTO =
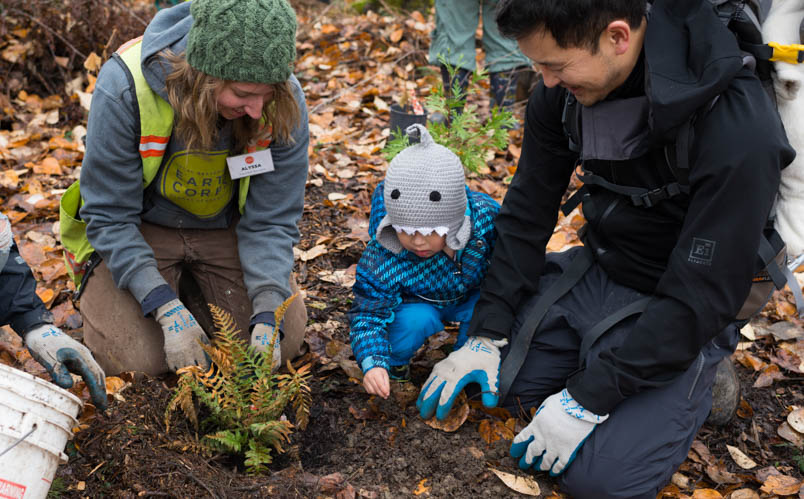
(243, 40)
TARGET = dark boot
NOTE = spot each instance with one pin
(502, 87)
(725, 394)
(462, 76)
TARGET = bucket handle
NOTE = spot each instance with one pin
(19, 440)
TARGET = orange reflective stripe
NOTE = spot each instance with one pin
(153, 145)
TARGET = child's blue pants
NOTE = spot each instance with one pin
(415, 322)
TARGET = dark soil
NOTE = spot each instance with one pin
(362, 446)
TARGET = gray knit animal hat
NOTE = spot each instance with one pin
(425, 191)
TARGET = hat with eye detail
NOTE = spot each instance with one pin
(425, 191)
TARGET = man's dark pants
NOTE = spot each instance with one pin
(647, 436)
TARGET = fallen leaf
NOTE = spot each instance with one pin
(115, 385)
(744, 494)
(313, 252)
(404, 393)
(522, 484)
(331, 483)
(796, 420)
(492, 430)
(786, 330)
(456, 417)
(720, 475)
(706, 494)
(557, 241)
(702, 451)
(791, 435)
(681, 481)
(46, 295)
(362, 413)
(785, 309)
(748, 332)
(93, 62)
(768, 376)
(781, 484)
(762, 474)
(422, 489)
(396, 35)
(740, 458)
(749, 360)
(345, 173)
(744, 410)
(345, 277)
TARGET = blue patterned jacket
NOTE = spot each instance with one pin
(385, 280)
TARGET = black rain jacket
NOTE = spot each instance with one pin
(738, 150)
(20, 306)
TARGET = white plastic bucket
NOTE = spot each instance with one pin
(38, 417)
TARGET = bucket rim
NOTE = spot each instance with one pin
(41, 382)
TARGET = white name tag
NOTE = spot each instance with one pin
(252, 163)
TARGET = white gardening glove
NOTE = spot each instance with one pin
(262, 337)
(182, 336)
(6, 240)
(61, 355)
(477, 361)
(558, 429)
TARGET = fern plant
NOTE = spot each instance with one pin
(244, 400)
(464, 133)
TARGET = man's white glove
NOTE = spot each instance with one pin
(182, 336)
(262, 336)
(556, 433)
(477, 361)
(60, 355)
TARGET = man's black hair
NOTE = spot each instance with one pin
(573, 23)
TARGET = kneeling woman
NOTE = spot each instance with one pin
(192, 186)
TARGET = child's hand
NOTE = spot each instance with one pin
(376, 382)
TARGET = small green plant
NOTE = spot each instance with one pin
(244, 400)
(464, 133)
(57, 488)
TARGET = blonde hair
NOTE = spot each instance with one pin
(192, 95)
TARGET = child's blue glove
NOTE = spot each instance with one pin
(60, 355)
(477, 361)
(556, 433)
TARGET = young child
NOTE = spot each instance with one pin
(431, 243)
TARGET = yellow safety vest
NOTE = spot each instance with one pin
(156, 125)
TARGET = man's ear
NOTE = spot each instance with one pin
(618, 36)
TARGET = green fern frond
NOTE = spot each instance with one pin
(187, 444)
(243, 398)
(258, 457)
(227, 440)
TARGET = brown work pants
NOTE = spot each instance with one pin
(202, 266)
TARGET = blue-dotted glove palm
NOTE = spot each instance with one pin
(61, 355)
(477, 361)
(183, 336)
(261, 338)
(558, 429)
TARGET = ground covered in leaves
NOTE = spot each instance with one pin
(352, 67)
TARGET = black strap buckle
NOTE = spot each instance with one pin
(649, 198)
